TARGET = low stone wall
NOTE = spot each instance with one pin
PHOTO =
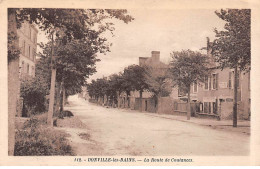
(166, 105)
(148, 105)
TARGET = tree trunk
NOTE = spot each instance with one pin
(57, 105)
(63, 97)
(52, 90)
(141, 99)
(158, 106)
(235, 99)
(124, 103)
(13, 86)
(113, 101)
(188, 108)
(128, 99)
(118, 100)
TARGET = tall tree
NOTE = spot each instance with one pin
(76, 24)
(115, 86)
(188, 67)
(75, 62)
(135, 78)
(232, 46)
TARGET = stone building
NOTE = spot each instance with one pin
(215, 95)
(217, 92)
(28, 44)
(149, 104)
(27, 38)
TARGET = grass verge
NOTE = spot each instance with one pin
(35, 138)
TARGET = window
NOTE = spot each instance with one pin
(30, 32)
(29, 52)
(215, 81)
(24, 48)
(28, 67)
(181, 92)
(230, 80)
(32, 72)
(34, 55)
(195, 87)
(206, 83)
(201, 107)
(215, 108)
(207, 107)
(23, 67)
(210, 83)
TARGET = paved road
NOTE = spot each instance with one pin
(113, 131)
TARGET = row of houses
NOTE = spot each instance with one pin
(211, 99)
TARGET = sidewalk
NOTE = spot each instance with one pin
(243, 126)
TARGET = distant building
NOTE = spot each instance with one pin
(153, 61)
(28, 44)
(148, 103)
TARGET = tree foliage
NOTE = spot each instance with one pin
(98, 88)
(158, 81)
(134, 77)
(13, 51)
(188, 67)
(75, 62)
(33, 91)
(76, 23)
(232, 47)
(12, 41)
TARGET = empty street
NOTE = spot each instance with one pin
(113, 131)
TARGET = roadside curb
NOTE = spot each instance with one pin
(221, 127)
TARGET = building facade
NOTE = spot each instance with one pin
(149, 104)
(27, 37)
(28, 45)
(216, 95)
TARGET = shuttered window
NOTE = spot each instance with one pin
(215, 81)
(230, 80)
(210, 83)
(195, 87)
(206, 83)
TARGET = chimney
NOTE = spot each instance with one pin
(156, 56)
(209, 46)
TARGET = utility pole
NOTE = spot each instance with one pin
(188, 104)
(235, 98)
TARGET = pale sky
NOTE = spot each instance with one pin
(156, 30)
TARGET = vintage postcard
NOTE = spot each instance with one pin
(116, 83)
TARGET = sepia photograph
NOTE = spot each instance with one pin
(126, 83)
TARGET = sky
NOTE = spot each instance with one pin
(155, 30)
